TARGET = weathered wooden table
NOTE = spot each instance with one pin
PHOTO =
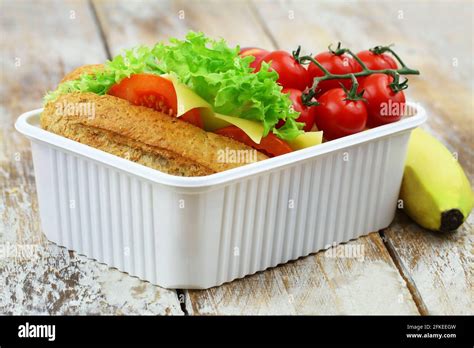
(404, 269)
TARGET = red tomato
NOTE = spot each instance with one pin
(194, 117)
(383, 104)
(377, 61)
(256, 52)
(335, 64)
(154, 92)
(291, 73)
(338, 117)
(270, 145)
(307, 114)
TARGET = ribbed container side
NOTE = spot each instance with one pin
(99, 212)
(300, 209)
(226, 233)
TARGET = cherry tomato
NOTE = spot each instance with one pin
(383, 104)
(154, 92)
(335, 64)
(291, 73)
(376, 62)
(338, 117)
(256, 52)
(270, 145)
(307, 114)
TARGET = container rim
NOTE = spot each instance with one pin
(28, 125)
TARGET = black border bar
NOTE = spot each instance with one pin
(138, 330)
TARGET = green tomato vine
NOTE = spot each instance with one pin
(396, 84)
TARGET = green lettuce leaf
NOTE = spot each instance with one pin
(134, 61)
(213, 70)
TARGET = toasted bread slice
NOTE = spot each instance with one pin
(144, 135)
(85, 69)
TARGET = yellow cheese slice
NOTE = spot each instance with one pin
(305, 140)
(187, 100)
(253, 129)
(211, 122)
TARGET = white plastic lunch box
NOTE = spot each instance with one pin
(199, 232)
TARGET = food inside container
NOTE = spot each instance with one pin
(196, 106)
(207, 163)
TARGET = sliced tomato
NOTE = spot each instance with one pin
(194, 117)
(154, 92)
(147, 90)
(270, 145)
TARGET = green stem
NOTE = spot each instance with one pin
(341, 51)
(353, 94)
(401, 71)
(382, 49)
(392, 72)
(356, 58)
(395, 73)
(304, 59)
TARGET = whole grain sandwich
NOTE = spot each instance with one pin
(192, 107)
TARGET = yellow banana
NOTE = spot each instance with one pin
(435, 190)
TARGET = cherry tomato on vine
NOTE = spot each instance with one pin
(291, 73)
(335, 64)
(383, 104)
(256, 52)
(338, 117)
(377, 61)
(307, 114)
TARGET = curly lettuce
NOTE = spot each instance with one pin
(133, 61)
(213, 70)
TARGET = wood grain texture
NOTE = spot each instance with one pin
(316, 284)
(437, 267)
(41, 41)
(52, 41)
(127, 24)
(53, 280)
(440, 267)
